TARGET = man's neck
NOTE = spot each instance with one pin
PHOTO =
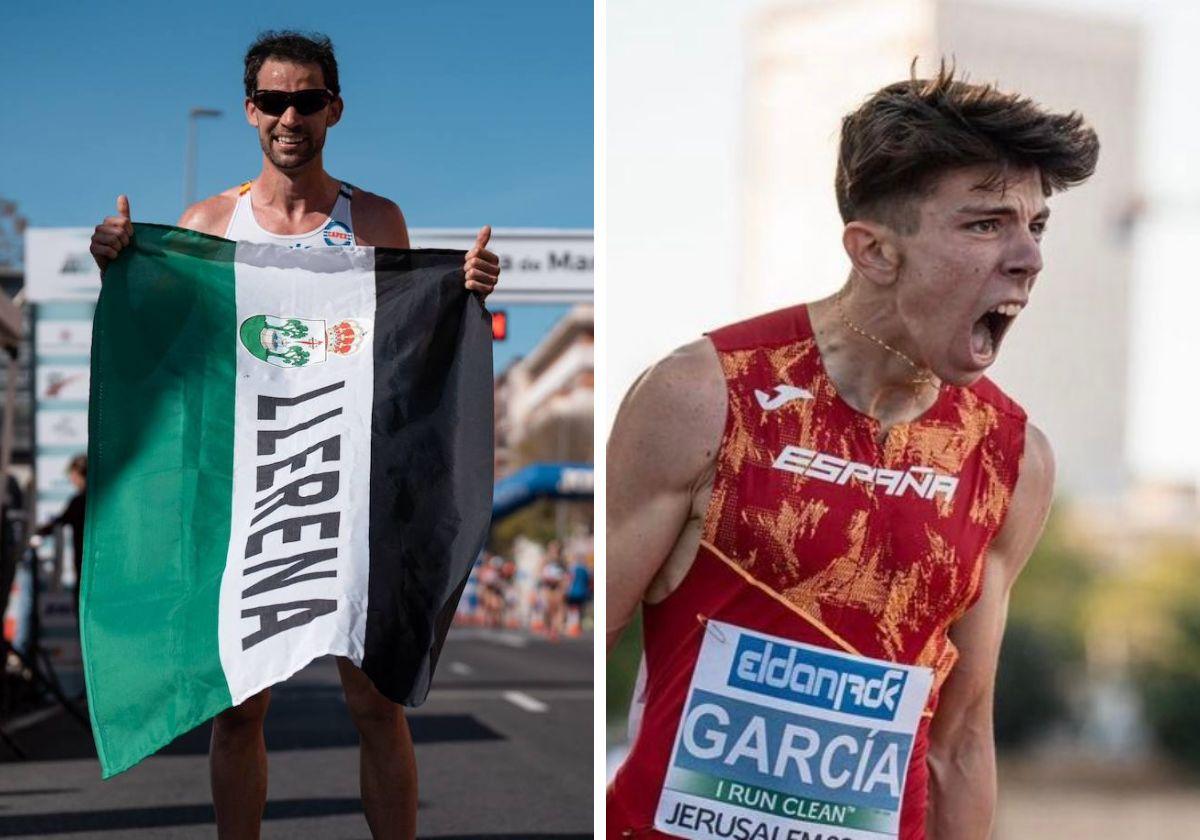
(294, 194)
(873, 380)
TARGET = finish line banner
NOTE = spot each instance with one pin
(781, 740)
(290, 455)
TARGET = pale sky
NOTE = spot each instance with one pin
(1164, 399)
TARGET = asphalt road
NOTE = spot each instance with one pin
(504, 750)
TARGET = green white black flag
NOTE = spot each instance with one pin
(290, 456)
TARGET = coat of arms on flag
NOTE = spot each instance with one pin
(299, 342)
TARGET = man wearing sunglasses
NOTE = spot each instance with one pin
(292, 99)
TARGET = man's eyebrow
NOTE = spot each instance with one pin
(998, 210)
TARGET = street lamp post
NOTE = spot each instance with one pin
(189, 163)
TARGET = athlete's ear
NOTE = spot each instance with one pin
(873, 250)
(334, 111)
(251, 112)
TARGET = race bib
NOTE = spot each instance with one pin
(786, 741)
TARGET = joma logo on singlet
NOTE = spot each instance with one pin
(922, 481)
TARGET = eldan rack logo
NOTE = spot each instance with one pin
(824, 680)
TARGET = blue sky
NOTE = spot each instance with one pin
(464, 113)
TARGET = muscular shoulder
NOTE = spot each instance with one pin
(670, 423)
(1030, 502)
(211, 215)
(377, 221)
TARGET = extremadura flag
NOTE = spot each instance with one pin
(290, 456)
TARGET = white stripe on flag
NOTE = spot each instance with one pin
(304, 300)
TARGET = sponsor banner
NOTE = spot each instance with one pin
(59, 337)
(59, 265)
(778, 738)
(59, 382)
(62, 428)
(52, 477)
(534, 264)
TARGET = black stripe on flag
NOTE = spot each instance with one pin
(431, 461)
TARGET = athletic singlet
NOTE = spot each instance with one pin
(581, 583)
(817, 533)
(337, 230)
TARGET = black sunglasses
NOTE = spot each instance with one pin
(275, 102)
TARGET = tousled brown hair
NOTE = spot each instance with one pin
(906, 134)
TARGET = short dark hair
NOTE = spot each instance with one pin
(908, 133)
(78, 464)
(313, 48)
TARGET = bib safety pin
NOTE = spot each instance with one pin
(710, 628)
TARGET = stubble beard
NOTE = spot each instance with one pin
(291, 163)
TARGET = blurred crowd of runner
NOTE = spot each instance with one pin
(547, 590)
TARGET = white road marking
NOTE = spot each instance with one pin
(512, 640)
(498, 637)
(523, 701)
(461, 668)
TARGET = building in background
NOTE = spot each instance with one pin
(1067, 358)
(545, 414)
(545, 408)
(545, 400)
(12, 279)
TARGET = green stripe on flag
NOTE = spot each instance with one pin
(160, 473)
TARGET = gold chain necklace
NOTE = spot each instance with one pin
(924, 375)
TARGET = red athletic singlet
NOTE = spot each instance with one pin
(818, 533)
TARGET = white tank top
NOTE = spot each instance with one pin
(335, 231)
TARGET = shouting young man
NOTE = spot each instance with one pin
(822, 510)
(292, 99)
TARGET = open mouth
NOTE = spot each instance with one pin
(990, 328)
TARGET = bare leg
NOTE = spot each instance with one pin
(554, 617)
(238, 768)
(387, 765)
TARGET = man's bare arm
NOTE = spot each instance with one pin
(378, 221)
(211, 215)
(663, 444)
(962, 751)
